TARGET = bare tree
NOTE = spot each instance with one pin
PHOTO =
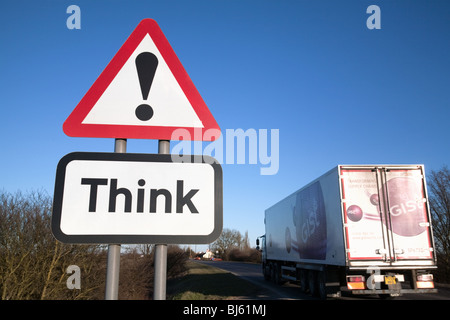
(439, 199)
(245, 242)
(228, 240)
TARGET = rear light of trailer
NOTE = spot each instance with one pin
(425, 281)
(356, 282)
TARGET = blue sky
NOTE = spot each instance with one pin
(338, 92)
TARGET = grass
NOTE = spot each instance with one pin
(203, 282)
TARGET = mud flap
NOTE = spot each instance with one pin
(395, 289)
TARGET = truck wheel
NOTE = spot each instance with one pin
(304, 281)
(265, 272)
(312, 282)
(270, 272)
(322, 285)
(276, 274)
(273, 272)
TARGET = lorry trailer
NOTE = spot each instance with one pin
(363, 229)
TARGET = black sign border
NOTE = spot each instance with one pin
(136, 239)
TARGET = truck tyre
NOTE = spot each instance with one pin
(304, 281)
(322, 285)
(273, 272)
(276, 274)
(265, 272)
(312, 282)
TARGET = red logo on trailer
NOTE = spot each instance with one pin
(143, 93)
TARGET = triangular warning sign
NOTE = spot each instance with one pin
(143, 93)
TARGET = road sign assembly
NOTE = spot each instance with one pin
(128, 198)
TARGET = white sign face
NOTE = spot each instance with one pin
(170, 106)
(137, 198)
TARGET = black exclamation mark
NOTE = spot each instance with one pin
(146, 64)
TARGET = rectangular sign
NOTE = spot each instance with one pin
(137, 198)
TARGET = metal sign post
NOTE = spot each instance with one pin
(113, 266)
(113, 263)
(159, 285)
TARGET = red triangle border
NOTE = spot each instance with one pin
(74, 127)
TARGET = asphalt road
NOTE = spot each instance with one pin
(252, 273)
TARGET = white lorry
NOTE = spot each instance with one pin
(365, 229)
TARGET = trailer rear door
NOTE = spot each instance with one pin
(386, 216)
